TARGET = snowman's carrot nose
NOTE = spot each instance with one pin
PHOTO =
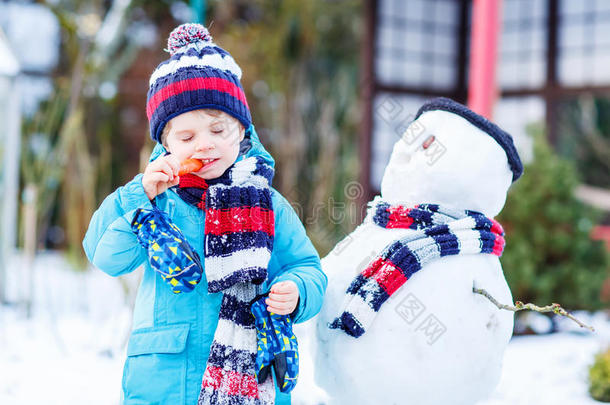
(190, 165)
(428, 142)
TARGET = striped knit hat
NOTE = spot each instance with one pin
(198, 74)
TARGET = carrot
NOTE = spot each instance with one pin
(189, 165)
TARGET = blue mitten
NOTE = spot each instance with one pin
(169, 252)
(276, 346)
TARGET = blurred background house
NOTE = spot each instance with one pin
(552, 55)
(332, 86)
(10, 121)
(551, 92)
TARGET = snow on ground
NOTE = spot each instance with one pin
(35, 369)
(546, 370)
(72, 349)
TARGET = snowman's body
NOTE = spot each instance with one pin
(434, 341)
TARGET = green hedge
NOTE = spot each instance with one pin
(549, 254)
(599, 377)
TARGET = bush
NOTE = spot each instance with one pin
(549, 255)
(599, 377)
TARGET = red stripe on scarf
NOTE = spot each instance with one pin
(499, 243)
(399, 217)
(496, 227)
(386, 274)
(192, 180)
(239, 219)
(197, 83)
(231, 382)
(389, 277)
(371, 269)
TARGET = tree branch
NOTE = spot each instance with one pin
(519, 306)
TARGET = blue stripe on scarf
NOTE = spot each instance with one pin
(423, 215)
(218, 245)
(241, 360)
(382, 215)
(191, 195)
(403, 258)
(375, 297)
(358, 282)
(447, 241)
(483, 224)
(253, 275)
(263, 169)
(488, 240)
(349, 324)
(234, 310)
(239, 197)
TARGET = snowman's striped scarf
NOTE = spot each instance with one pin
(440, 231)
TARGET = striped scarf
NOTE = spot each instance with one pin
(439, 231)
(239, 230)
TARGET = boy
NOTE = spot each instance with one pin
(197, 109)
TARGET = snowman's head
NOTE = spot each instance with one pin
(452, 156)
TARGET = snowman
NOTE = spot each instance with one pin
(400, 322)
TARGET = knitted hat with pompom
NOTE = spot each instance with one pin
(198, 74)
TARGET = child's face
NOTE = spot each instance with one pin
(205, 135)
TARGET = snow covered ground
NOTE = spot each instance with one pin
(550, 369)
(72, 349)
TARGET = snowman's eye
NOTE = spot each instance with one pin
(428, 142)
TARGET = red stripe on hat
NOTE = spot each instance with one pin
(231, 382)
(239, 219)
(197, 83)
(389, 277)
(399, 217)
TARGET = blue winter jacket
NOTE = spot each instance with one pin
(172, 333)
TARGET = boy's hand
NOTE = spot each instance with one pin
(160, 174)
(283, 298)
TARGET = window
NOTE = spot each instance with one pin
(522, 48)
(417, 43)
(584, 43)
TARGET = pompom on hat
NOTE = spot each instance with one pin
(198, 74)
